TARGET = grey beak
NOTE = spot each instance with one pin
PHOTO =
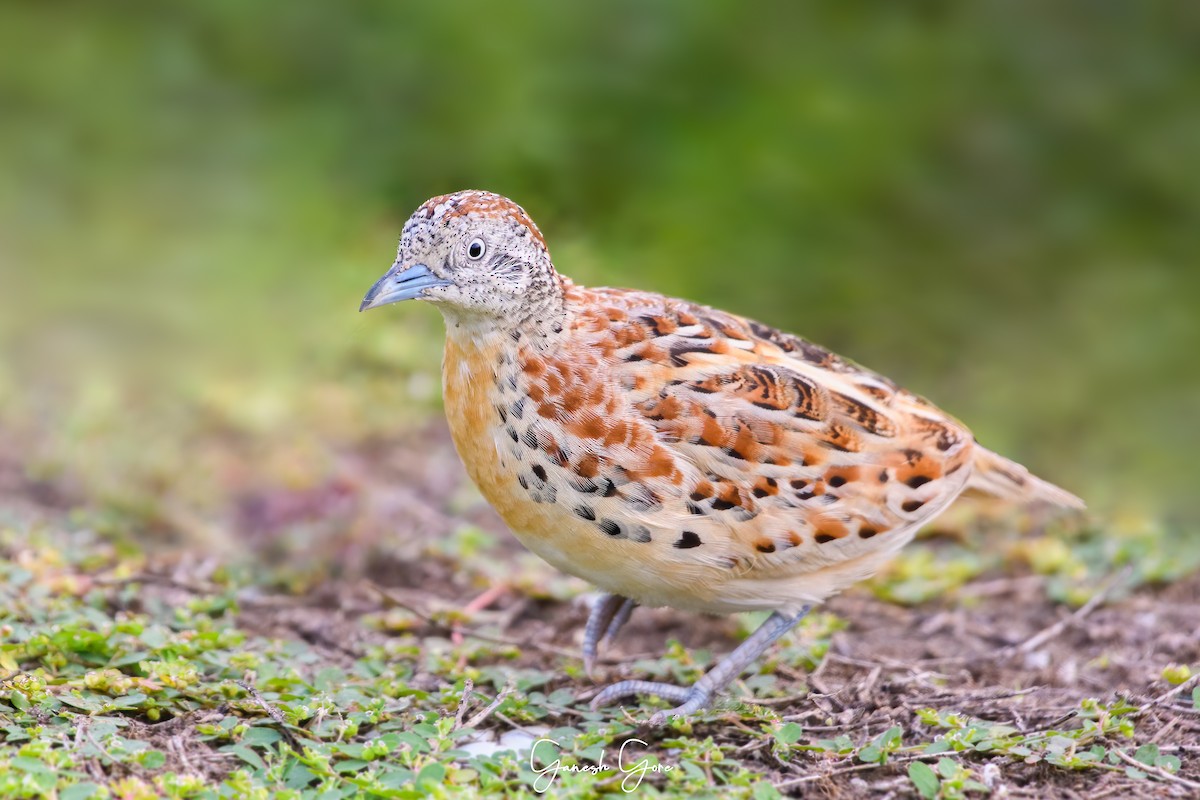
(398, 285)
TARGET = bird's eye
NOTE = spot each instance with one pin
(476, 249)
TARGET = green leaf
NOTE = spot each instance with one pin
(789, 733)
(1169, 763)
(924, 779)
(80, 702)
(890, 739)
(81, 642)
(298, 776)
(432, 774)
(19, 700)
(417, 743)
(1196, 698)
(870, 755)
(127, 701)
(328, 679)
(31, 765)
(947, 767)
(246, 754)
(1147, 754)
(79, 791)
(152, 759)
(261, 736)
(395, 777)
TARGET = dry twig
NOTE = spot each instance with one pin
(275, 714)
(468, 687)
(487, 712)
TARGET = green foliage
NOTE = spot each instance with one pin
(924, 779)
(1149, 755)
(89, 679)
(993, 203)
(882, 746)
(104, 680)
(1074, 748)
(919, 575)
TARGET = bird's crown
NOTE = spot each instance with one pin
(471, 205)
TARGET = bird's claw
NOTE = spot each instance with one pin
(690, 698)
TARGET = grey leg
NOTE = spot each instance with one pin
(698, 696)
(606, 618)
(619, 619)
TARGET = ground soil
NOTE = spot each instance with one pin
(998, 650)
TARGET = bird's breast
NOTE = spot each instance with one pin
(488, 421)
(471, 372)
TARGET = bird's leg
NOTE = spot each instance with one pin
(699, 695)
(619, 619)
(608, 615)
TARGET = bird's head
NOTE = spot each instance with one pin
(478, 257)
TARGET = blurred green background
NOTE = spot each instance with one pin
(995, 203)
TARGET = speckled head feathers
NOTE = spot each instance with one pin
(472, 204)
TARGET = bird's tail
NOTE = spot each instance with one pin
(996, 476)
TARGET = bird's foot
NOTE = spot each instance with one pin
(608, 615)
(690, 698)
(693, 698)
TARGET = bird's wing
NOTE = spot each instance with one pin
(792, 457)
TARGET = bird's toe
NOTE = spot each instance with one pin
(690, 698)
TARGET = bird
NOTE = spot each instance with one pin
(670, 453)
